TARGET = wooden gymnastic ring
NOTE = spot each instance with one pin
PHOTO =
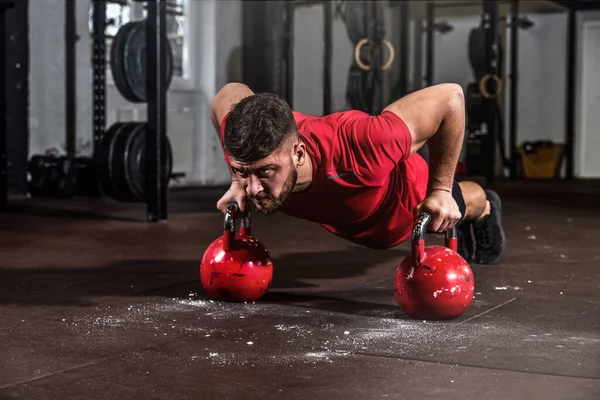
(366, 67)
(483, 89)
(357, 48)
(391, 57)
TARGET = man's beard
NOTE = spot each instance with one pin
(271, 205)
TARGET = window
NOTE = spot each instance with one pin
(120, 12)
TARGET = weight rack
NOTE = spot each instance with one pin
(156, 190)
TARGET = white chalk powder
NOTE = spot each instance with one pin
(309, 338)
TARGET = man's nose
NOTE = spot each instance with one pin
(254, 186)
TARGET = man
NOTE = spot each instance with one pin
(358, 176)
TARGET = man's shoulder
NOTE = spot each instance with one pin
(321, 134)
(300, 116)
(331, 120)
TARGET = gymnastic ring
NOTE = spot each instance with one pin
(366, 67)
(359, 46)
(483, 89)
(391, 57)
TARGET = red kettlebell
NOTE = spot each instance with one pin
(236, 266)
(434, 282)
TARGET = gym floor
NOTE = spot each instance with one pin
(97, 304)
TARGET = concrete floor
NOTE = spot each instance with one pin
(97, 304)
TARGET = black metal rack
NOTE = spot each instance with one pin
(3, 135)
(14, 85)
(514, 78)
(156, 69)
(99, 71)
(70, 78)
(156, 189)
(490, 24)
(570, 102)
(403, 47)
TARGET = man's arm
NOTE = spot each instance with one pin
(436, 116)
(222, 104)
(224, 100)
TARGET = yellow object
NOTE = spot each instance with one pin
(541, 160)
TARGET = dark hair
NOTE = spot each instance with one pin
(257, 126)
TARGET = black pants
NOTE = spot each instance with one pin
(456, 191)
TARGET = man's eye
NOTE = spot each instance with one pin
(242, 174)
(265, 171)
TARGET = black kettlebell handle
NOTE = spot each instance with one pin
(229, 228)
(418, 237)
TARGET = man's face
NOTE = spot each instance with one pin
(268, 182)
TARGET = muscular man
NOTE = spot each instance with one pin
(358, 176)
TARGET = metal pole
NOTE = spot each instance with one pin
(403, 48)
(99, 71)
(490, 24)
(514, 68)
(15, 95)
(155, 150)
(3, 112)
(570, 92)
(70, 78)
(429, 51)
(289, 29)
(328, 39)
(377, 35)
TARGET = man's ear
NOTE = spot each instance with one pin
(300, 153)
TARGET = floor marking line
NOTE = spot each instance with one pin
(475, 366)
(487, 311)
(450, 326)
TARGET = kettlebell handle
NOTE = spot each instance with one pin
(229, 228)
(418, 237)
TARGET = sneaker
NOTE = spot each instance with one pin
(466, 240)
(489, 235)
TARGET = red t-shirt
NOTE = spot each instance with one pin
(366, 184)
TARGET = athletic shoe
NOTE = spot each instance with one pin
(489, 235)
(466, 240)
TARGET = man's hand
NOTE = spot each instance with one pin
(236, 193)
(443, 209)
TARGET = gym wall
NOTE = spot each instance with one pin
(47, 77)
(451, 57)
(542, 79)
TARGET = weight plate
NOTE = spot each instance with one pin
(137, 163)
(477, 53)
(103, 158)
(134, 61)
(117, 61)
(40, 171)
(120, 161)
(88, 183)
